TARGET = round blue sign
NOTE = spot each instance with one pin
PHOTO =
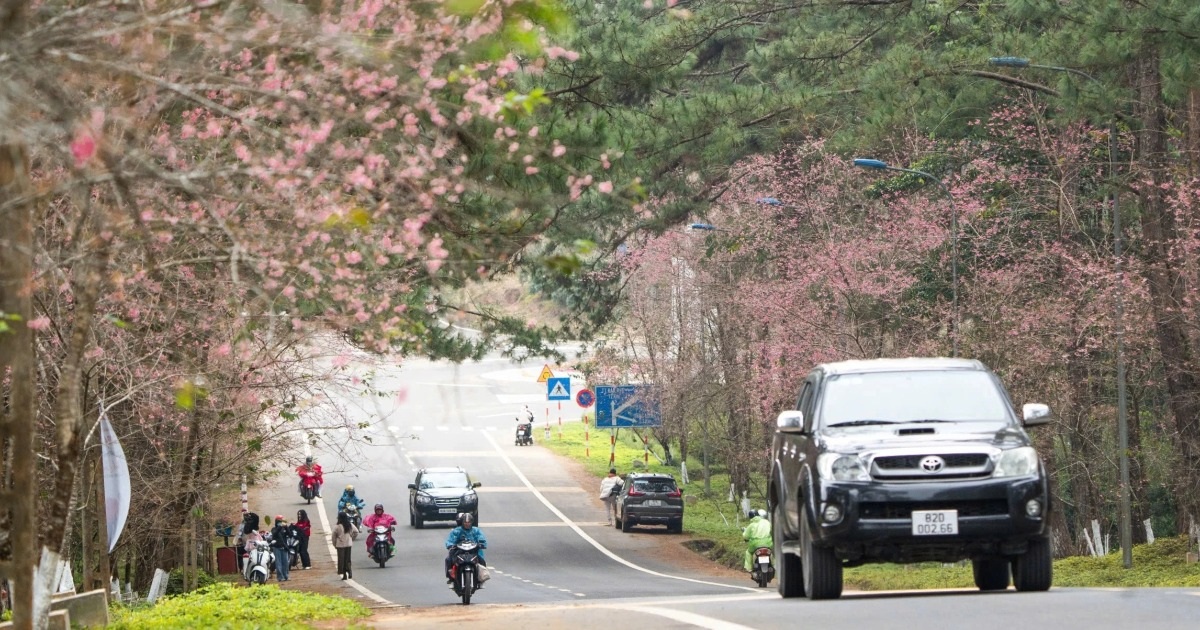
(585, 398)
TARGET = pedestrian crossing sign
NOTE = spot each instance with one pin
(558, 389)
(546, 374)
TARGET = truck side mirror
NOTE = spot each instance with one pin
(790, 421)
(1034, 414)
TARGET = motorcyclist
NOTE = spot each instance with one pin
(757, 533)
(465, 531)
(380, 518)
(348, 496)
(310, 468)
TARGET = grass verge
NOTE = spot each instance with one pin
(223, 605)
(716, 524)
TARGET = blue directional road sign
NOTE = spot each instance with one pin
(627, 406)
(558, 388)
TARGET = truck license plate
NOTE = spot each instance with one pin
(935, 522)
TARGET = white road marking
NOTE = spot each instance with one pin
(443, 428)
(418, 428)
(491, 525)
(452, 384)
(491, 489)
(455, 453)
(333, 554)
(601, 548)
(521, 398)
(682, 616)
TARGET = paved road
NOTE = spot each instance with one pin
(557, 565)
(548, 540)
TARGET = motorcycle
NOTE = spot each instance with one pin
(308, 487)
(258, 562)
(381, 547)
(762, 569)
(465, 571)
(524, 434)
(293, 549)
(351, 511)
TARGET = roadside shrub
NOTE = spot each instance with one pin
(175, 581)
(223, 605)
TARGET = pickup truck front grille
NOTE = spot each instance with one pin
(911, 467)
(913, 462)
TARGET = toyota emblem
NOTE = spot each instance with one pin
(933, 464)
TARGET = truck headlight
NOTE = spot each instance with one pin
(1017, 462)
(841, 467)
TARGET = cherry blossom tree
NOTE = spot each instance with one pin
(816, 261)
(176, 173)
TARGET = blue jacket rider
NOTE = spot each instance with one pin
(465, 531)
(348, 496)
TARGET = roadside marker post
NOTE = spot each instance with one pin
(612, 454)
(560, 421)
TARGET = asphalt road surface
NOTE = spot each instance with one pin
(557, 564)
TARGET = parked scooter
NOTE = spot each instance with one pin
(465, 570)
(524, 433)
(762, 570)
(258, 562)
(381, 548)
(293, 548)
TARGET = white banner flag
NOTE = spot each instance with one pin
(116, 480)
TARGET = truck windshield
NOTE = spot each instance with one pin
(891, 397)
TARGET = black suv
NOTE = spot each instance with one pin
(650, 499)
(907, 460)
(441, 494)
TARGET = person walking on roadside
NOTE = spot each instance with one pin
(305, 527)
(279, 537)
(344, 534)
(609, 487)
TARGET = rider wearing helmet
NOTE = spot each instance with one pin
(466, 530)
(756, 534)
(384, 519)
(349, 497)
(310, 469)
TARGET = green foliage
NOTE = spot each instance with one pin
(1159, 564)
(175, 581)
(223, 605)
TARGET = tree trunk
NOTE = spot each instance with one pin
(1159, 231)
(18, 419)
(1192, 139)
(69, 409)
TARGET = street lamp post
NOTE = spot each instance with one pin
(1126, 511)
(883, 166)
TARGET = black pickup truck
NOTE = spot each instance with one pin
(907, 460)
